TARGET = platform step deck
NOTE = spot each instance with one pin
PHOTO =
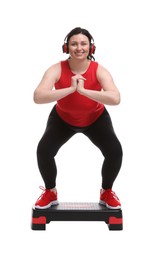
(79, 211)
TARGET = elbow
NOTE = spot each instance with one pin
(36, 98)
(117, 99)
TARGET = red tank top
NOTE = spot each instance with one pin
(76, 109)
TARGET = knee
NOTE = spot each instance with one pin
(41, 150)
(117, 152)
(114, 152)
(45, 150)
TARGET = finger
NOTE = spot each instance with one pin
(79, 76)
(82, 78)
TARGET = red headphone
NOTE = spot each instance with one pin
(65, 48)
(92, 48)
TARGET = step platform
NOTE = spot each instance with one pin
(79, 211)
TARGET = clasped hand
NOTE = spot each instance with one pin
(77, 83)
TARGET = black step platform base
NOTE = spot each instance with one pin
(81, 211)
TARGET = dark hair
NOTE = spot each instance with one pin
(85, 32)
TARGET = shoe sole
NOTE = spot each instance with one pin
(53, 203)
(101, 202)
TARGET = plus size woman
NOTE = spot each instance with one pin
(81, 88)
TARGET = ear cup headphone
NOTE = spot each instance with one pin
(65, 48)
(91, 51)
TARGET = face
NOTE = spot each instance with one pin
(79, 46)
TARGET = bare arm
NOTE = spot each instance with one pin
(109, 95)
(45, 92)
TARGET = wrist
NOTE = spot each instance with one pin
(72, 89)
(81, 90)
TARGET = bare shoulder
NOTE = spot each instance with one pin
(103, 73)
(105, 79)
(50, 77)
(54, 72)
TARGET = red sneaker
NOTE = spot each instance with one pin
(109, 199)
(46, 199)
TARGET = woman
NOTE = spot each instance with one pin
(81, 88)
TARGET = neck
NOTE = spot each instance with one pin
(79, 66)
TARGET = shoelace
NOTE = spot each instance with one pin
(111, 194)
(114, 195)
(44, 190)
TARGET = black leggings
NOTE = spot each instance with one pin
(58, 132)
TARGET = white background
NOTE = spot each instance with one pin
(32, 34)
